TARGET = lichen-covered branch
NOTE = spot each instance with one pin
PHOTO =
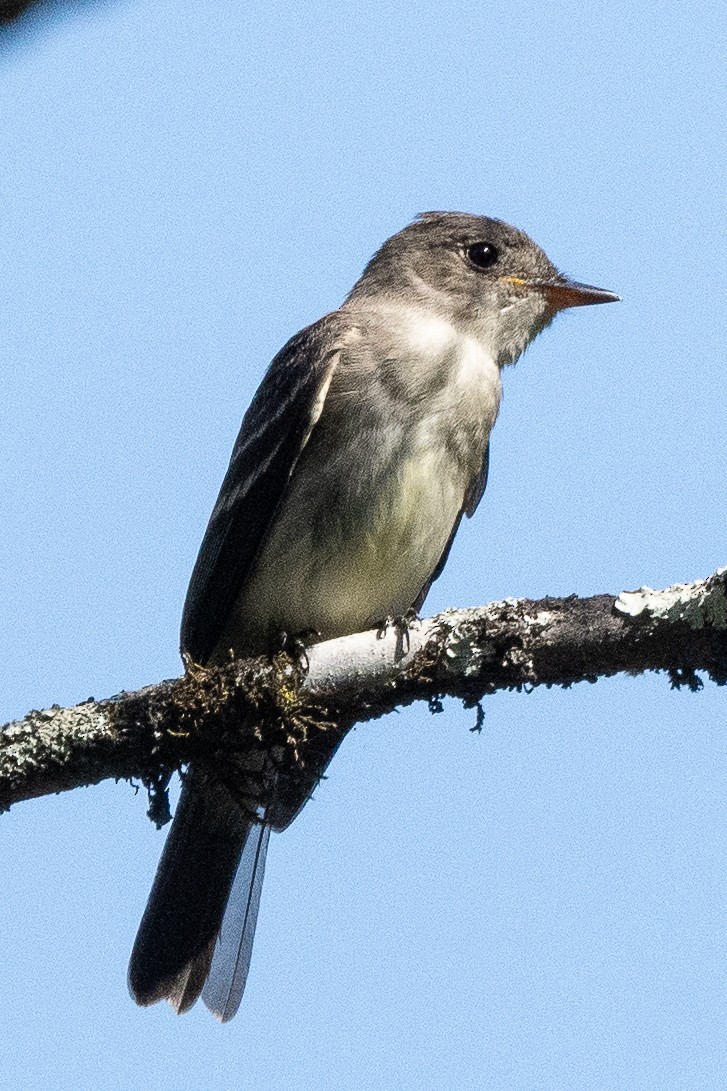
(226, 717)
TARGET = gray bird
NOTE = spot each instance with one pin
(365, 444)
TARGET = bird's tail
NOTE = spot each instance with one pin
(189, 941)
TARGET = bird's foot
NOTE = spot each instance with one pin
(297, 646)
(401, 623)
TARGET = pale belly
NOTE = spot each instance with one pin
(373, 501)
(338, 568)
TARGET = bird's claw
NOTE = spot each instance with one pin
(401, 623)
(297, 646)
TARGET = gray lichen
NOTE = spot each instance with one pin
(701, 603)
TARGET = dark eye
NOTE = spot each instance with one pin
(482, 254)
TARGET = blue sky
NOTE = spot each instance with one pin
(539, 906)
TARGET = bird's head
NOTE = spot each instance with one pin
(483, 275)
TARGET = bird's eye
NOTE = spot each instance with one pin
(482, 254)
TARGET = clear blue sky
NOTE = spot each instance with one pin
(182, 187)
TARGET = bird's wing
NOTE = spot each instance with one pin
(477, 487)
(471, 500)
(274, 432)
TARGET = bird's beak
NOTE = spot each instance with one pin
(562, 293)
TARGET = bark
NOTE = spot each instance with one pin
(239, 718)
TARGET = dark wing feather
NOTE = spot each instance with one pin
(274, 432)
(471, 500)
(477, 487)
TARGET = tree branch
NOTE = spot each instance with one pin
(241, 718)
(11, 11)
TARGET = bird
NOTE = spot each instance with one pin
(364, 446)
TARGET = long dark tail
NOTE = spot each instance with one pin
(176, 954)
(227, 977)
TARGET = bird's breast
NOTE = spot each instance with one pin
(372, 502)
